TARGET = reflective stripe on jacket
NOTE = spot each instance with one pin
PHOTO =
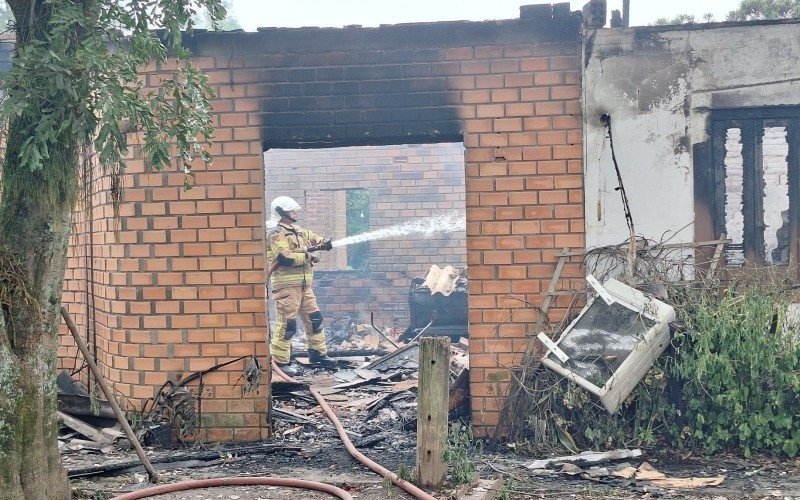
(284, 244)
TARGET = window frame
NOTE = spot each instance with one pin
(752, 122)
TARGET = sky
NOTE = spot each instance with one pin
(337, 13)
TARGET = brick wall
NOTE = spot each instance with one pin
(183, 287)
(404, 183)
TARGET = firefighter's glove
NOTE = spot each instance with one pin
(326, 244)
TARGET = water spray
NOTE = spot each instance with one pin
(424, 228)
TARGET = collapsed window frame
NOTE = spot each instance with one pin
(752, 122)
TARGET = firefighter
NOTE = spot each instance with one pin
(290, 254)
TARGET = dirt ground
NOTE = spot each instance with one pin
(326, 461)
(318, 455)
(310, 449)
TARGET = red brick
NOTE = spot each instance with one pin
(490, 111)
(519, 109)
(525, 227)
(497, 257)
(535, 64)
(474, 67)
(503, 213)
(476, 96)
(508, 125)
(489, 82)
(539, 241)
(488, 52)
(493, 140)
(539, 182)
(537, 123)
(555, 226)
(510, 242)
(549, 197)
(523, 198)
(519, 80)
(569, 240)
(565, 92)
(552, 137)
(552, 167)
(550, 108)
(566, 152)
(511, 272)
(505, 95)
(537, 153)
(458, 53)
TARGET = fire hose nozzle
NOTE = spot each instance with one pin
(325, 245)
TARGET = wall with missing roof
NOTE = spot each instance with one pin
(659, 85)
(183, 288)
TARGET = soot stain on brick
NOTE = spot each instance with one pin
(326, 87)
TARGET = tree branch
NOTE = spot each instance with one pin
(20, 7)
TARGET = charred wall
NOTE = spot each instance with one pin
(182, 289)
(663, 87)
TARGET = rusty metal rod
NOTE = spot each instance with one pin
(109, 396)
(433, 317)
(372, 322)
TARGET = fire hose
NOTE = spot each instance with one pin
(287, 482)
(375, 467)
(236, 481)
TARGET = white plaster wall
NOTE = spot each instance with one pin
(658, 87)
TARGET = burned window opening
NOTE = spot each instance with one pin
(357, 222)
(734, 203)
(756, 171)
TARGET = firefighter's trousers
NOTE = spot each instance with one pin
(290, 303)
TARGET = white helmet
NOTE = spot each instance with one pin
(281, 204)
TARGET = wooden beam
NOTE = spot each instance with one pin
(123, 421)
(84, 428)
(548, 299)
(434, 382)
(718, 254)
(581, 253)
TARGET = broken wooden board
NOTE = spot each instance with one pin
(360, 403)
(83, 444)
(688, 482)
(84, 428)
(587, 457)
(325, 391)
(458, 403)
(487, 489)
(405, 385)
(625, 473)
(290, 416)
(647, 472)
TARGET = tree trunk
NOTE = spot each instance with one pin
(36, 236)
(35, 218)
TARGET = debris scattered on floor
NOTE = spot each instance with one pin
(585, 458)
(598, 466)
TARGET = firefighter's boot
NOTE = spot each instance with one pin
(289, 369)
(320, 359)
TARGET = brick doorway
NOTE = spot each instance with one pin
(350, 190)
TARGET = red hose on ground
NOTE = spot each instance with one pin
(236, 481)
(377, 468)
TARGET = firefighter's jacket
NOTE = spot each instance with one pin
(285, 245)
